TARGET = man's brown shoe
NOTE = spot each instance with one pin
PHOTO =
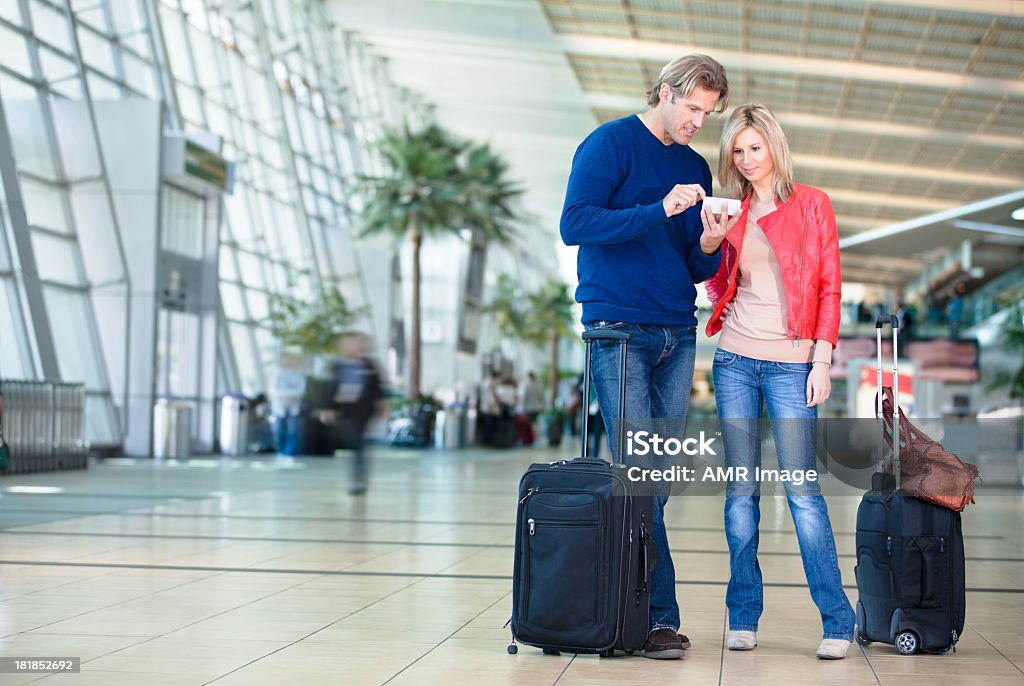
(663, 644)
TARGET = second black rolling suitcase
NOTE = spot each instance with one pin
(910, 556)
(583, 550)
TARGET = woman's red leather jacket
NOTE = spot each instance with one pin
(802, 233)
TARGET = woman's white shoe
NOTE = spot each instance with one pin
(833, 649)
(742, 640)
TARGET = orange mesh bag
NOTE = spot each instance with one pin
(927, 470)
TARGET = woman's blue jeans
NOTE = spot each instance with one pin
(741, 383)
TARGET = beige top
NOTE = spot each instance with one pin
(756, 327)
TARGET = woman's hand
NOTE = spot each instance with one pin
(819, 385)
(714, 231)
(727, 310)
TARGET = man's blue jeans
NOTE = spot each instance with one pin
(659, 373)
(740, 385)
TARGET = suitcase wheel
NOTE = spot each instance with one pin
(548, 651)
(862, 640)
(606, 653)
(907, 642)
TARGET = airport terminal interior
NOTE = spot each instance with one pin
(194, 208)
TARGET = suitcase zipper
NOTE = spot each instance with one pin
(579, 524)
(888, 546)
(529, 492)
(952, 603)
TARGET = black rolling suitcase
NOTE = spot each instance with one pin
(583, 550)
(910, 555)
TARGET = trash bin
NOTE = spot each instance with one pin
(451, 431)
(172, 429)
(234, 425)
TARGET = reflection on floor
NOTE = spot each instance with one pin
(264, 571)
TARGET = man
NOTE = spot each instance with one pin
(356, 396)
(633, 207)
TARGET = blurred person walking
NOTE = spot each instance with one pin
(631, 207)
(777, 304)
(355, 398)
(287, 396)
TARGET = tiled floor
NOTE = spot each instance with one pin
(261, 571)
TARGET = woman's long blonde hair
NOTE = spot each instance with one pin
(761, 119)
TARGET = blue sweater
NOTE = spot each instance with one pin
(635, 264)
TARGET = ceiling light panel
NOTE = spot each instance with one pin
(718, 10)
(835, 17)
(874, 183)
(661, 34)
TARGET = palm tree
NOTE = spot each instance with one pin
(550, 319)
(425, 193)
(493, 195)
(436, 184)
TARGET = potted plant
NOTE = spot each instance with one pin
(552, 423)
(313, 327)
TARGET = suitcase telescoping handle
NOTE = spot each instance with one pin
(894, 321)
(623, 339)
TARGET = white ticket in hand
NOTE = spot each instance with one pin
(730, 206)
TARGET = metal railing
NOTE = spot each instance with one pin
(44, 425)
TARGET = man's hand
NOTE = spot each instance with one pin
(819, 385)
(714, 230)
(682, 198)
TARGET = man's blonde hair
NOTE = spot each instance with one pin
(761, 119)
(686, 73)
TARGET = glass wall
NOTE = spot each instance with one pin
(293, 107)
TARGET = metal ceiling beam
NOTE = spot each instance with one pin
(939, 217)
(914, 202)
(898, 171)
(873, 276)
(999, 229)
(905, 171)
(622, 103)
(1003, 8)
(855, 260)
(624, 48)
(858, 224)
(1007, 8)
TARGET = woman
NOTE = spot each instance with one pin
(777, 303)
